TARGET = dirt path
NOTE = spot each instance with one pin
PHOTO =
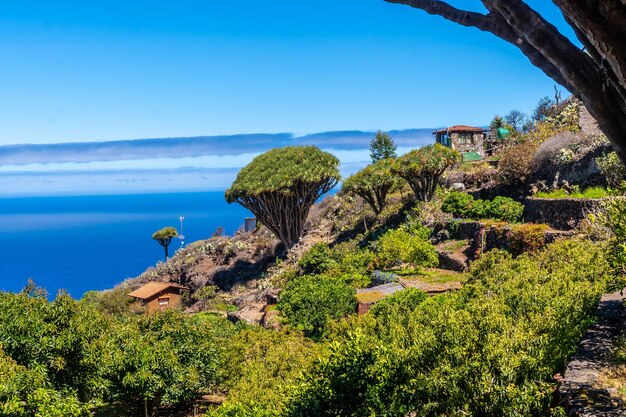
(579, 390)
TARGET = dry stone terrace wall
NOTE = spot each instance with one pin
(580, 390)
(562, 213)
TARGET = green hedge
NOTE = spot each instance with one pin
(465, 206)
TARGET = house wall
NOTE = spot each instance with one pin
(476, 146)
(174, 301)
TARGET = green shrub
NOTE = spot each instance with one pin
(613, 218)
(345, 260)
(506, 209)
(465, 206)
(259, 363)
(310, 301)
(318, 259)
(527, 238)
(612, 168)
(398, 304)
(490, 349)
(399, 246)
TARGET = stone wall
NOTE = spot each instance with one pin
(562, 213)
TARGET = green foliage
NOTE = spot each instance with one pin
(464, 205)
(58, 358)
(612, 168)
(400, 246)
(259, 364)
(165, 233)
(382, 147)
(527, 238)
(207, 292)
(398, 304)
(282, 169)
(346, 260)
(243, 409)
(543, 109)
(280, 186)
(114, 301)
(310, 301)
(318, 259)
(490, 349)
(506, 209)
(496, 123)
(613, 218)
(576, 192)
(372, 183)
(423, 168)
(165, 358)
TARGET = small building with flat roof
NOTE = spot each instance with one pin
(159, 295)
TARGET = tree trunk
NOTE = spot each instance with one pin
(596, 74)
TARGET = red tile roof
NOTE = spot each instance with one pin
(461, 128)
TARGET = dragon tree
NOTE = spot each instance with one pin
(372, 184)
(280, 186)
(164, 237)
(423, 168)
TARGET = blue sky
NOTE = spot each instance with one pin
(93, 71)
(117, 70)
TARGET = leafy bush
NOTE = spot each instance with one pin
(514, 162)
(318, 259)
(613, 218)
(527, 238)
(259, 363)
(465, 206)
(61, 356)
(505, 209)
(345, 260)
(310, 301)
(400, 246)
(490, 349)
(398, 304)
(612, 168)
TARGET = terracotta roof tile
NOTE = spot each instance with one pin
(153, 288)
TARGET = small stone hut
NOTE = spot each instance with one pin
(466, 139)
(159, 295)
(367, 297)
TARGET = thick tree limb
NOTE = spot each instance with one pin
(597, 76)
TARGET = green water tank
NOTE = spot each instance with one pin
(503, 133)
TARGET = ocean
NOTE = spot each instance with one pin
(83, 243)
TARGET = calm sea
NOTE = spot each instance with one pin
(94, 242)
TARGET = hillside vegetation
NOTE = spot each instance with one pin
(482, 310)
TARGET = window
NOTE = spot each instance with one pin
(466, 138)
(164, 301)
